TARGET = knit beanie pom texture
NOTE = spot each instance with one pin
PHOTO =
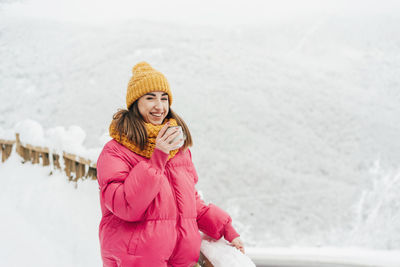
(145, 79)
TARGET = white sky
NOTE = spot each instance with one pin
(203, 12)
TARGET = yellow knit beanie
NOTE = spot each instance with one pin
(145, 79)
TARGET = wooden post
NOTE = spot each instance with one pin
(18, 147)
(92, 173)
(67, 168)
(31, 155)
(27, 154)
(35, 157)
(72, 164)
(7, 151)
(3, 152)
(45, 158)
(80, 170)
(6, 148)
(22, 151)
(75, 169)
(204, 262)
(56, 162)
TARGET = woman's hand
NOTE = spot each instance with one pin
(165, 136)
(237, 242)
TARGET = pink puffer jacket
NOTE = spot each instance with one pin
(151, 212)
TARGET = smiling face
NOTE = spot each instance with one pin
(154, 107)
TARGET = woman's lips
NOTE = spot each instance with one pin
(156, 115)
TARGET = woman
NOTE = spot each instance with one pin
(151, 211)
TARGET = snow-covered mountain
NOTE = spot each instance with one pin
(290, 119)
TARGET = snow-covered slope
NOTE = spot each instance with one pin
(46, 221)
(288, 118)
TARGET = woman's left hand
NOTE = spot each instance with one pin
(237, 242)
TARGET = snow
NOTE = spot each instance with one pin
(7, 134)
(63, 231)
(328, 256)
(30, 132)
(289, 117)
(222, 12)
(45, 220)
(57, 139)
(221, 254)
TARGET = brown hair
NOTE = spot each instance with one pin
(130, 123)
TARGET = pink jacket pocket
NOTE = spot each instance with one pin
(135, 239)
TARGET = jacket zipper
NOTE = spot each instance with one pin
(173, 193)
(177, 210)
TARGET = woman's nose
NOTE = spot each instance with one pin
(158, 104)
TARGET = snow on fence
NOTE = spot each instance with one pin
(75, 167)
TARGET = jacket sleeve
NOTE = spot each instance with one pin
(212, 220)
(128, 191)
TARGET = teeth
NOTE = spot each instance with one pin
(156, 115)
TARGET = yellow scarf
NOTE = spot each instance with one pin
(152, 132)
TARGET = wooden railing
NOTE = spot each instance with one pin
(203, 261)
(75, 167)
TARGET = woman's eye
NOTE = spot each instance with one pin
(152, 98)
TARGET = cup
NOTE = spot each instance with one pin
(180, 135)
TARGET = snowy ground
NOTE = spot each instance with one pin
(54, 224)
(294, 122)
(46, 221)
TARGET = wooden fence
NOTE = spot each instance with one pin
(75, 167)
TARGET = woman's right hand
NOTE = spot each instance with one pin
(165, 136)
